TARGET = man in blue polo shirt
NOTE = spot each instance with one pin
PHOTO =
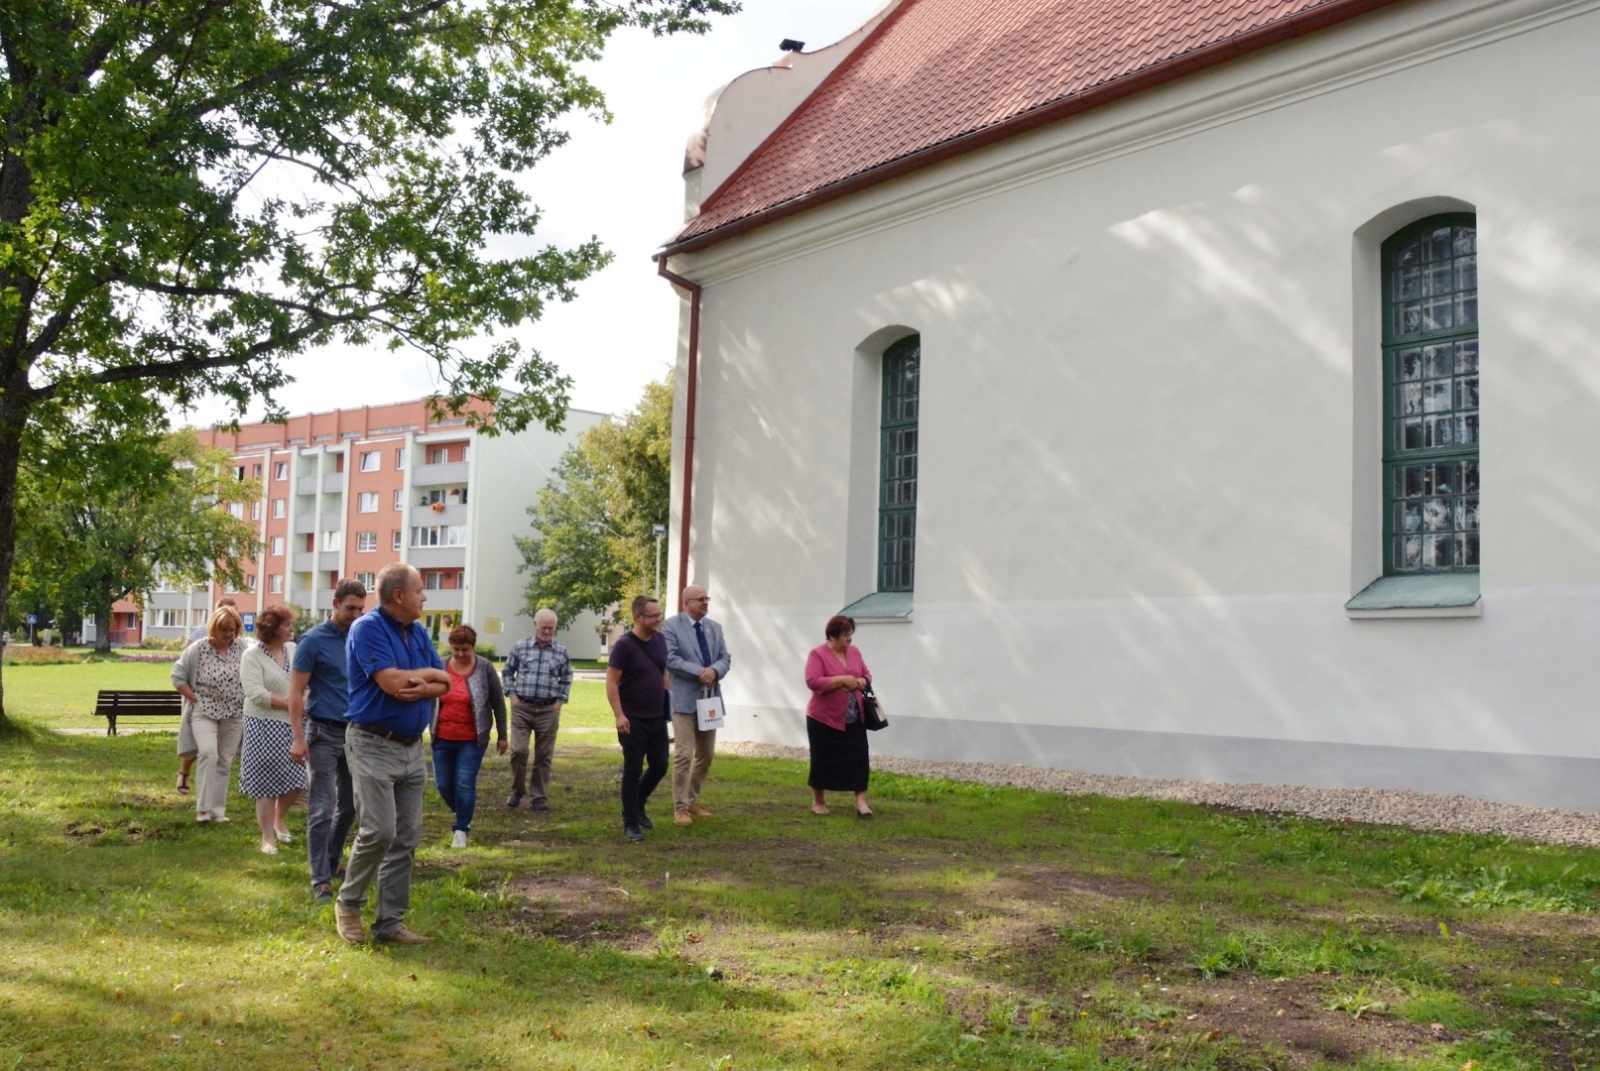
(319, 695)
(395, 674)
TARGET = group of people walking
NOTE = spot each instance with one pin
(342, 714)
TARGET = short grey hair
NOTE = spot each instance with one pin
(393, 579)
(544, 612)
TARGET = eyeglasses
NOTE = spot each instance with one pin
(648, 617)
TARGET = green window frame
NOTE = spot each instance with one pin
(1430, 374)
(897, 495)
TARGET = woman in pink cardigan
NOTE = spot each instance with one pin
(837, 675)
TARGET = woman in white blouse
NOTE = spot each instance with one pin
(207, 675)
(267, 774)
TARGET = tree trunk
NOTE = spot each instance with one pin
(14, 406)
(102, 625)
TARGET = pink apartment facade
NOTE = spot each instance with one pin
(346, 492)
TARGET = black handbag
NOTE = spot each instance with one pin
(872, 715)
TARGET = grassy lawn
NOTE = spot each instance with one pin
(964, 927)
(62, 697)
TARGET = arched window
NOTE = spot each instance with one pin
(1430, 367)
(897, 502)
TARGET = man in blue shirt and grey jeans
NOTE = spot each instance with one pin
(319, 694)
(395, 674)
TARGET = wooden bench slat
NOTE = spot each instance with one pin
(112, 704)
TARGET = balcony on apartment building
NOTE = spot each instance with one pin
(431, 475)
(304, 561)
(333, 482)
(330, 522)
(437, 557)
(306, 485)
(439, 599)
(305, 523)
(424, 516)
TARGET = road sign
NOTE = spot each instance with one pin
(33, 619)
(249, 622)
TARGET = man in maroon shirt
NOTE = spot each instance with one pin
(637, 685)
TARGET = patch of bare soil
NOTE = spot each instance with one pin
(1285, 1023)
(577, 908)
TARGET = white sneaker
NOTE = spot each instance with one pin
(459, 839)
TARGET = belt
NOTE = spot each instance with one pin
(386, 734)
(539, 702)
(332, 723)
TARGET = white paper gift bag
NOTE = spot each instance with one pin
(708, 712)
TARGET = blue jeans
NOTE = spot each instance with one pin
(455, 773)
(331, 804)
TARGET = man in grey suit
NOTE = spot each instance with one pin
(697, 658)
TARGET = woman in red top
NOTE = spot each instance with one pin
(460, 728)
(837, 675)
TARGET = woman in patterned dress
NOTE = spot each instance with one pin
(266, 772)
(207, 675)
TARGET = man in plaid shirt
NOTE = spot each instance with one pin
(538, 677)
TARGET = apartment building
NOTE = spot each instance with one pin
(346, 492)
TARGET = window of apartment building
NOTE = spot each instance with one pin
(371, 460)
(367, 502)
(400, 458)
(275, 584)
(173, 619)
(236, 510)
(280, 508)
(433, 580)
(338, 462)
(255, 511)
(368, 581)
(461, 581)
(250, 582)
(1430, 364)
(255, 471)
(464, 448)
(398, 539)
(238, 473)
(439, 535)
(280, 470)
(366, 541)
(332, 540)
(434, 497)
(439, 455)
(400, 498)
(277, 546)
(897, 501)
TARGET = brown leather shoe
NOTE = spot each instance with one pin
(682, 818)
(402, 936)
(349, 925)
(698, 811)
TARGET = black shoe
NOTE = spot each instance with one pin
(512, 801)
(633, 832)
(644, 821)
(322, 894)
(539, 805)
(338, 875)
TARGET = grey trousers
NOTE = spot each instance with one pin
(389, 780)
(330, 802)
(693, 749)
(541, 722)
(217, 743)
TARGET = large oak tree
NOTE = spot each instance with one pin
(191, 190)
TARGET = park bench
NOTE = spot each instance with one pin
(112, 705)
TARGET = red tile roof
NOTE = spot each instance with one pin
(941, 77)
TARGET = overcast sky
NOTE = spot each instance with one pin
(621, 182)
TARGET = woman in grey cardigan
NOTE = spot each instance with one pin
(268, 774)
(460, 728)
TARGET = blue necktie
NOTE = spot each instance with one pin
(705, 651)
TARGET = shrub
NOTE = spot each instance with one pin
(156, 643)
(40, 656)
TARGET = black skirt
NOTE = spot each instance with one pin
(839, 761)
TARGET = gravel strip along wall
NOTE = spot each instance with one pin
(1390, 807)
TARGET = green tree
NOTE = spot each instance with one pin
(191, 190)
(106, 513)
(592, 547)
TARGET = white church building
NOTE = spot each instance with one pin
(1203, 389)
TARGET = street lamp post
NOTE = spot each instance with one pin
(658, 530)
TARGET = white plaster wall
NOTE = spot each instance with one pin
(508, 472)
(1139, 420)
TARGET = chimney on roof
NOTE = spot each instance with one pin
(789, 44)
